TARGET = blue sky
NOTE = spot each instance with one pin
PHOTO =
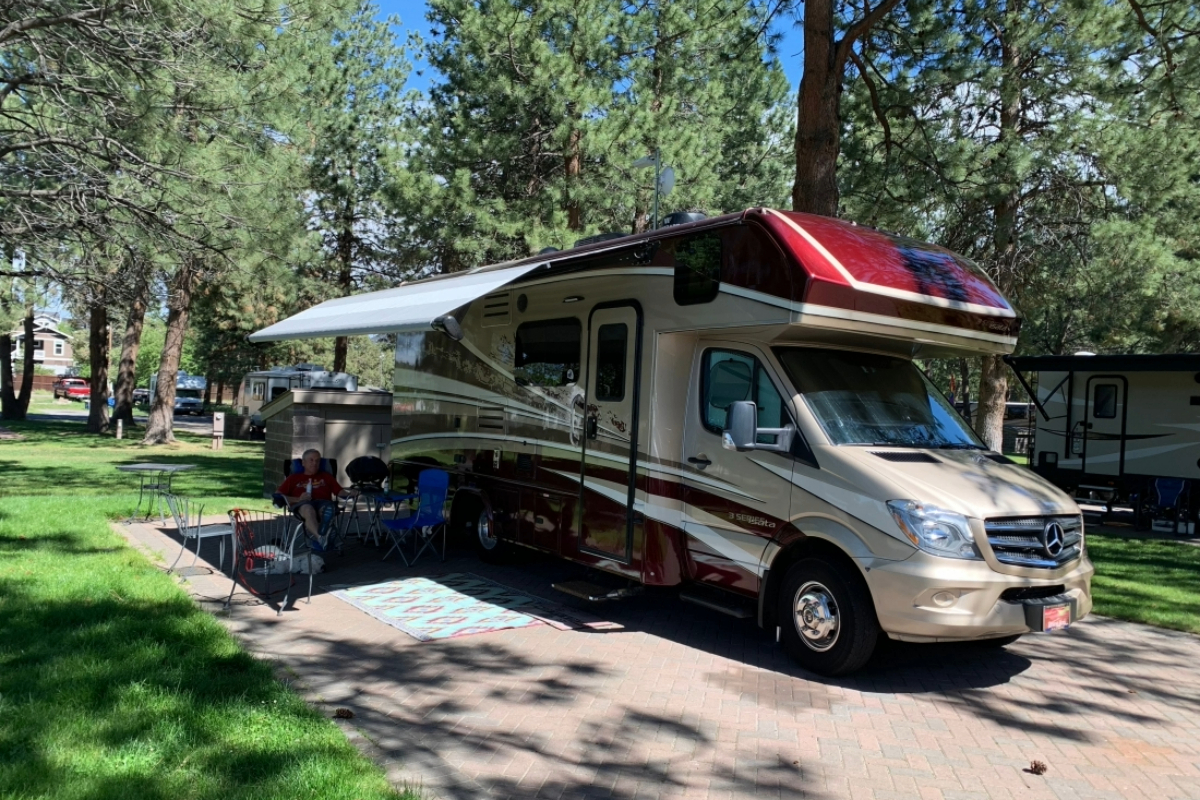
(412, 17)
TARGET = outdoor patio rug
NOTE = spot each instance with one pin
(460, 604)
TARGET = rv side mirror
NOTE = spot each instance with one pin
(742, 432)
(741, 426)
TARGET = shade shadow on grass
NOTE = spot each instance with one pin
(113, 684)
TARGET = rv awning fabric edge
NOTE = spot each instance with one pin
(406, 308)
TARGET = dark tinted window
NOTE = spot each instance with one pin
(697, 268)
(547, 353)
(1105, 404)
(610, 362)
(729, 377)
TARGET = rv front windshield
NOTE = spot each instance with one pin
(194, 394)
(873, 399)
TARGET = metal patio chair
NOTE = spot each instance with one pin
(266, 544)
(187, 514)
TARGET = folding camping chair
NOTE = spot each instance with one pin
(292, 466)
(424, 524)
(265, 544)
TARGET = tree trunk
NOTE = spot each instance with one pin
(98, 344)
(131, 342)
(160, 426)
(993, 380)
(345, 258)
(208, 385)
(221, 392)
(574, 165)
(964, 372)
(818, 117)
(13, 404)
(993, 393)
(8, 399)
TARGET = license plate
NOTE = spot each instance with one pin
(1056, 618)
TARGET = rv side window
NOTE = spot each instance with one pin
(547, 352)
(256, 389)
(610, 362)
(1104, 406)
(729, 377)
(697, 268)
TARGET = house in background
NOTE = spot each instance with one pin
(51, 347)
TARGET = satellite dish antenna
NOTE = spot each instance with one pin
(666, 181)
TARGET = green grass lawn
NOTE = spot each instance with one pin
(1146, 580)
(113, 684)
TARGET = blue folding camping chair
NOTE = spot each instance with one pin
(427, 522)
(293, 466)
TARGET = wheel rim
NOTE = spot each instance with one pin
(816, 616)
(487, 538)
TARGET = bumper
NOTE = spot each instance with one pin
(926, 598)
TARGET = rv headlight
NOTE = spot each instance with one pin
(934, 530)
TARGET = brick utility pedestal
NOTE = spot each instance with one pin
(342, 425)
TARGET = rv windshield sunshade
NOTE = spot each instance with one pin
(405, 308)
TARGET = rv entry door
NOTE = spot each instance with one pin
(1104, 425)
(609, 430)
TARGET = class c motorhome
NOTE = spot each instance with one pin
(732, 404)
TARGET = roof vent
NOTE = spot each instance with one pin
(682, 218)
(599, 237)
(497, 310)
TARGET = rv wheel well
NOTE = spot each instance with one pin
(808, 547)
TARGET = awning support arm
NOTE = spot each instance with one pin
(1032, 394)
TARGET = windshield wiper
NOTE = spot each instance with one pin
(959, 446)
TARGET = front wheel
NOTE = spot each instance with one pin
(827, 617)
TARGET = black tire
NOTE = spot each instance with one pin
(832, 604)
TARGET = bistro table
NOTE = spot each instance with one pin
(155, 482)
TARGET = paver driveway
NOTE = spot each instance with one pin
(683, 702)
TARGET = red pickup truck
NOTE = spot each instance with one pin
(72, 389)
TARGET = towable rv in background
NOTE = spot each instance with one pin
(261, 387)
(1121, 431)
(731, 406)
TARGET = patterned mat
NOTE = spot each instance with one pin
(460, 604)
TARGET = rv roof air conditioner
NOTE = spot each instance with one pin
(682, 218)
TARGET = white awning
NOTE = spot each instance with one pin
(405, 308)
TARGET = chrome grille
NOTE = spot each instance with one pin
(1019, 540)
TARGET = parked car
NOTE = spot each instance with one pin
(141, 396)
(72, 389)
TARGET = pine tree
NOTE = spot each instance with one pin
(530, 139)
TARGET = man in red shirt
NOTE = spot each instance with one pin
(311, 495)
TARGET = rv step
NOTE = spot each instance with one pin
(730, 606)
(591, 592)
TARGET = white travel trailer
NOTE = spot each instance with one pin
(732, 405)
(1122, 429)
(261, 387)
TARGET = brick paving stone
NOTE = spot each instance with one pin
(683, 704)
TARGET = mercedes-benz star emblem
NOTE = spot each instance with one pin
(1053, 539)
